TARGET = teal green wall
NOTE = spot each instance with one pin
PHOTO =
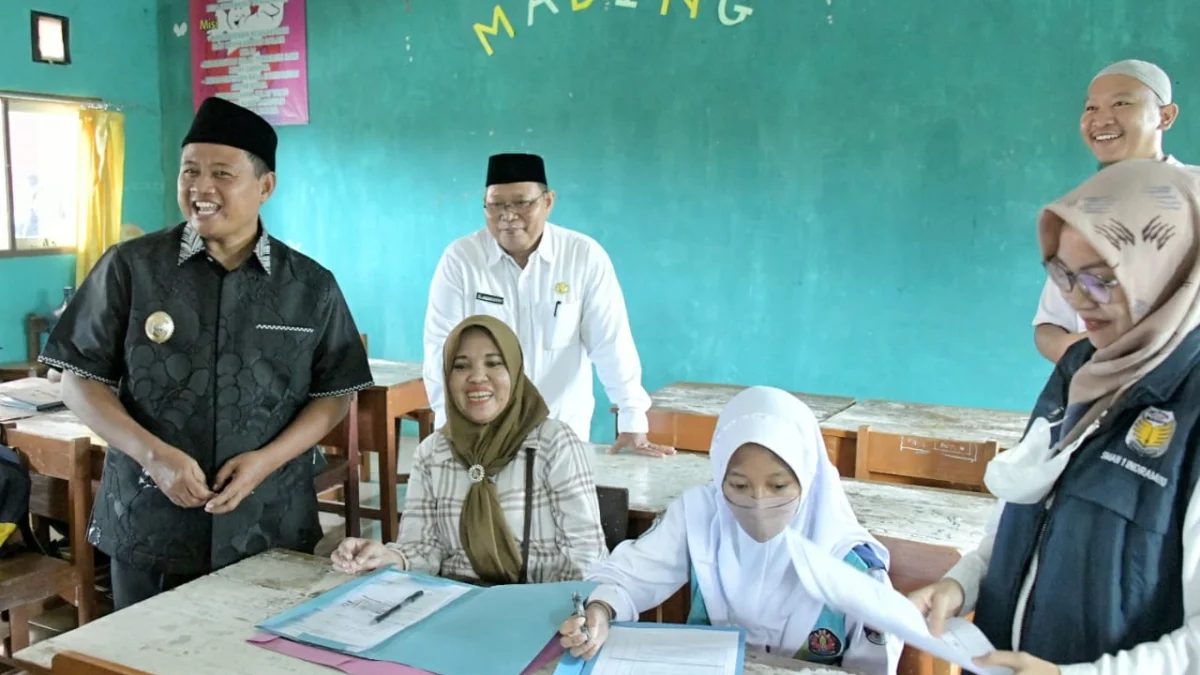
(114, 53)
(833, 197)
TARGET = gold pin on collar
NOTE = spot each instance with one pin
(160, 327)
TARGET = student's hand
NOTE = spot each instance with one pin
(640, 445)
(597, 627)
(237, 479)
(939, 602)
(1020, 662)
(179, 477)
(355, 555)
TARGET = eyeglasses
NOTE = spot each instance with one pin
(1099, 290)
(519, 207)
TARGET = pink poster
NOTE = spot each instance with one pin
(252, 53)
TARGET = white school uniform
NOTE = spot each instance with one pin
(567, 310)
(743, 582)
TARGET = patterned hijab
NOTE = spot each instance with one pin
(485, 449)
(1143, 217)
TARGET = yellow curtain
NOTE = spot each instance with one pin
(101, 184)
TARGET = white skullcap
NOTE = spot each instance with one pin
(1145, 72)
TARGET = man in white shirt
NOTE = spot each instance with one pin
(556, 289)
(1128, 107)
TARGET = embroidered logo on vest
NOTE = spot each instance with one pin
(874, 636)
(822, 642)
(1151, 433)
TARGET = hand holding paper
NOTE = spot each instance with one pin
(884, 609)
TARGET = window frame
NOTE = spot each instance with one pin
(6, 171)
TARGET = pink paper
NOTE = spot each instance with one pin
(355, 666)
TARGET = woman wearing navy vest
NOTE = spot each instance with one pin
(1094, 564)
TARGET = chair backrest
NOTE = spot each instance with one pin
(614, 514)
(74, 663)
(915, 565)
(35, 327)
(935, 462)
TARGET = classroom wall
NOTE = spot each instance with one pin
(114, 50)
(832, 197)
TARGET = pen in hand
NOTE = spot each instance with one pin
(399, 606)
(581, 612)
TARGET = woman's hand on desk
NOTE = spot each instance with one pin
(573, 638)
(939, 602)
(179, 477)
(355, 555)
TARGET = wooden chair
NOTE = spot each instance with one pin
(28, 580)
(915, 566)
(35, 328)
(933, 462)
(614, 514)
(342, 471)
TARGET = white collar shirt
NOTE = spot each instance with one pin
(567, 310)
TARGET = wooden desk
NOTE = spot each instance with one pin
(923, 420)
(399, 389)
(684, 414)
(202, 627)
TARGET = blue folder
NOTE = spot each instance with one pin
(500, 629)
(573, 665)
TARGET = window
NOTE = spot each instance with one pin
(40, 141)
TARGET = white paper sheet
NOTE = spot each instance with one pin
(667, 651)
(884, 609)
(351, 620)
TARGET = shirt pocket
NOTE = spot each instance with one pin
(560, 323)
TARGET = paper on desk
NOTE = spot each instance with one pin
(884, 609)
(663, 649)
(666, 651)
(350, 621)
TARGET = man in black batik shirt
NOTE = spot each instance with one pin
(232, 356)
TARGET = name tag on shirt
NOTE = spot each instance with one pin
(494, 299)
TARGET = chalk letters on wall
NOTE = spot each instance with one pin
(499, 18)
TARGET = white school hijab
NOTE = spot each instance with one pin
(751, 584)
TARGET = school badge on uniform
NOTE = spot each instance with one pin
(160, 327)
(822, 642)
(1151, 433)
(561, 288)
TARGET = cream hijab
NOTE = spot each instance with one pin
(1143, 217)
(751, 584)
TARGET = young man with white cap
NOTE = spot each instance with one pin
(556, 289)
(1128, 107)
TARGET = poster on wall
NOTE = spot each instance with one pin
(254, 54)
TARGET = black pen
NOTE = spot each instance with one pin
(556, 304)
(401, 605)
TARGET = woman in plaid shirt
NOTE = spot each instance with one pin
(501, 493)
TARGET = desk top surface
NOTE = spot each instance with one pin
(702, 398)
(202, 627)
(932, 421)
(925, 515)
(394, 373)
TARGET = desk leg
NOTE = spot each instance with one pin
(385, 428)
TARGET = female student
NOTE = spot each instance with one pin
(772, 481)
(501, 493)
(1094, 567)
